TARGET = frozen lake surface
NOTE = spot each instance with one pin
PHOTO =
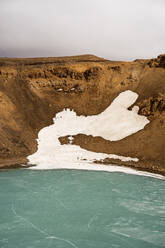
(80, 209)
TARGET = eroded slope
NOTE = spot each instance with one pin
(32, 91)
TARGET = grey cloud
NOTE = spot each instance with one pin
(121, 29)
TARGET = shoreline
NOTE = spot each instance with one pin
(97, 166)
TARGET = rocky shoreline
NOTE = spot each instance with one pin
(146, 167)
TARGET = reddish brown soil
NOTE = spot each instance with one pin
(30, 98)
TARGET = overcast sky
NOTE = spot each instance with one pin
(113, 29)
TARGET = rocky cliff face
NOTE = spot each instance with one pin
(32, 91)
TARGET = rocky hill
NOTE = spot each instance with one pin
(32, 91)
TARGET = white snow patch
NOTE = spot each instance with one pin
(115, 123)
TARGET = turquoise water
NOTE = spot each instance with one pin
(80, 209)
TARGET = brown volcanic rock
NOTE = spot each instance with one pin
(32, 91)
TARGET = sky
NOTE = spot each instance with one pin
(113, 29)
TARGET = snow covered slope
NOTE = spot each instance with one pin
(115, 123)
